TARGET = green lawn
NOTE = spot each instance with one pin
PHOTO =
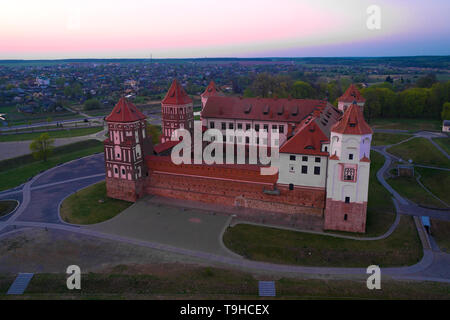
(407, 124)
(16, 171)
(69, 133)
(421, 151)
(91, 205)
(437, 181)
(444, 143)
(7, 206)
(199, 282)
(384, 139)
(402, 248)
(409, 188)
(440, 230)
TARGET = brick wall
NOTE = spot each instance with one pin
(335, 219)
(124, 189)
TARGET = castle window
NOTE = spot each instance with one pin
(347, 199)
(123, 171)
(291, 186)
(274, 128)
(349, 174)
(304, 158)
(116, 171)
(247, 140)
(345, 217)
(291, 169)
(292, 158)
(247, 126)
(317, 159)
(211, 124)
(317, 171)
(350, 156)
(281, 129)
(231, 126)
(304, 169)
(118, 156)
(326, 149)
(266, 127)
(239, 126)
(224, 126)
(257, 127)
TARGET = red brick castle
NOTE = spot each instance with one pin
(324, 158)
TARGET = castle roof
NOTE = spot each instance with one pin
(307, 140)
(125, 111)
(352, 94)
(176, 95)
(352, 122)
(212, 90)
(261, 109)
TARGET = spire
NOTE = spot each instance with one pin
(125, 111)
(352, 122)
(352, 94)
(176, 95)
(211, 90)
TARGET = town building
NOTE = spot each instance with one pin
(323, 168)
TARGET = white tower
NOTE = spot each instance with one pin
(348, 173)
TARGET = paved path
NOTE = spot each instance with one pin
(41, 197)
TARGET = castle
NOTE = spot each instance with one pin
(324, 158)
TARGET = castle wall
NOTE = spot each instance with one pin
(122, 189)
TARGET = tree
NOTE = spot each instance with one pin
(154, 132)
(302, 90)
(446, 111)
(91, 104)
(426, 81)
(42, 147)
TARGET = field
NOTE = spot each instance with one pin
(69, 133)
(437, 181)
(384, 139)
(7, 206)
(192, 282)
(402, 248)
(440, 230)
(16, 171)
(444, 143)
(407, 124)
(421, 151)
(91, 205)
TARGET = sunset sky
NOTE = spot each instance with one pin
(53, 29)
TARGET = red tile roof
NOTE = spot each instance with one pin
(352, 94)
(262, 109)
(212, 90)
(365, 159)
(165, 146)
(307, 140)
(125, 111)
(176, 95)
(352, 122)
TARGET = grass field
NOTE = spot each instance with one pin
(437, 181)
(16, 171)
(192, 282)
(384, 139)
(440, 230)
(84, 206)
(407, 124)
(402, 248)
(410, 189)
(421, 151)
(444, 143)
(7, 206)
(53, 134)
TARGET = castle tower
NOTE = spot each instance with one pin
(210, 91)
(125, 148)
(352, 94)
(348, 173)
(177, 111)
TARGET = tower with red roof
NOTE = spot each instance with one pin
(177, 111)
(210, 91)
(125, 148)
(351, 95)
(348, 172)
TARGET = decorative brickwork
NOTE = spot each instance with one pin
(345, 216)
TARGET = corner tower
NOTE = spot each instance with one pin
(210, 91)
(125, 148)
(348, 173)
(351, 95)
(177, 111)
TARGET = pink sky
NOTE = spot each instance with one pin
(198, 28)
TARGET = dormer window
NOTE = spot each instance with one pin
(352, 125)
